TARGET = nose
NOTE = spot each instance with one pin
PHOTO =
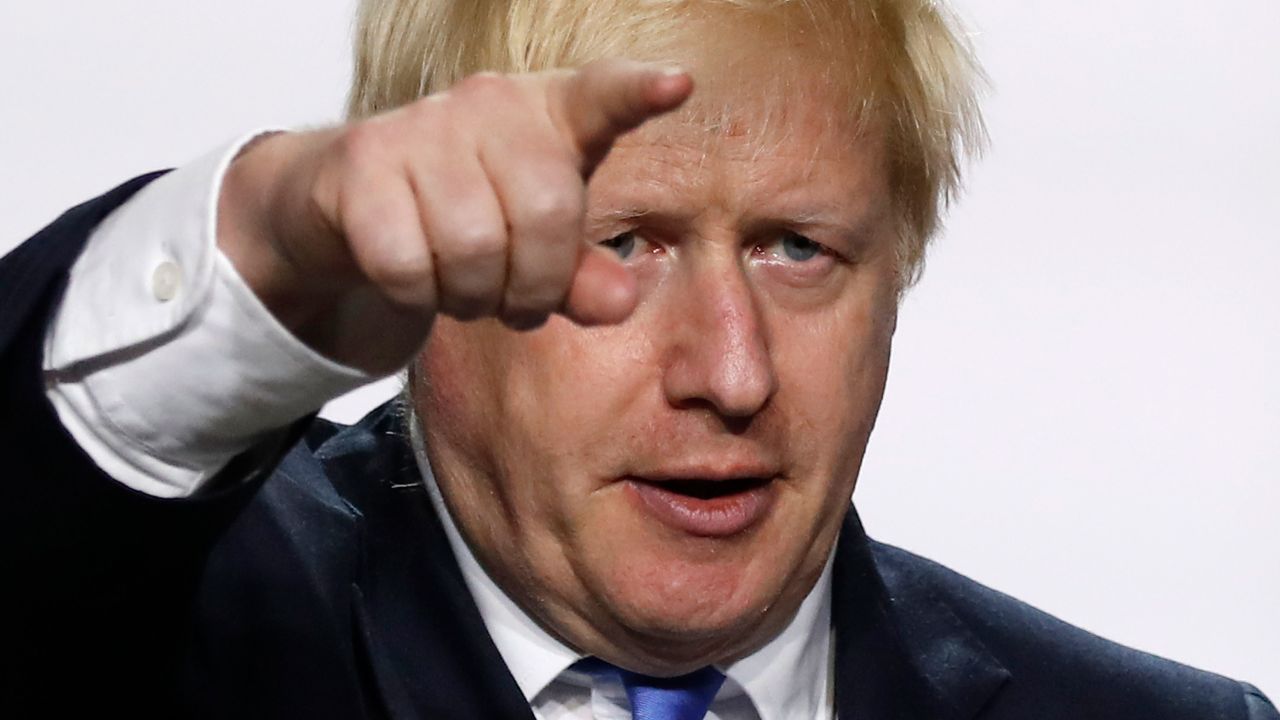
(719, 354)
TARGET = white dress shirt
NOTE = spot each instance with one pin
(163, 365)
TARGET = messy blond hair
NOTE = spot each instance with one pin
(909, 65)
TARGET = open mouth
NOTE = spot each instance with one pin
(704, 508)
(710, 489)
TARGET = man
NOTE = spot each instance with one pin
(620, 481)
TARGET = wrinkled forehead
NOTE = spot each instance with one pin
(761, 82)
(772, 127)
(784, 113)
(732, 168)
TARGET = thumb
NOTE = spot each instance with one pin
(603, 291)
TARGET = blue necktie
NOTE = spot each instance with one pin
(685, 697)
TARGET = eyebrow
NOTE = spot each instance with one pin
(818, 218)
(811, 217)
(621, 215)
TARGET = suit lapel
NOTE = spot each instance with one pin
(903, 654)
(427, 647)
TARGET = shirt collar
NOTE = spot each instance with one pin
(788, 677)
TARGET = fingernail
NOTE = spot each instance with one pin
(671, 71)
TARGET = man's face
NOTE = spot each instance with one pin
(663, 493)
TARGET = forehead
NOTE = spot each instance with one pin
(787, 141)
(775, 108)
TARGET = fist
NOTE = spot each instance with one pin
(469, 202)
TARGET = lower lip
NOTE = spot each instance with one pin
(713, 517)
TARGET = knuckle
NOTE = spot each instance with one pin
(554, 207)
(539, 292)
(472, 269)
(362, 142)
(430, 114)
(401, 273)
(482, 241)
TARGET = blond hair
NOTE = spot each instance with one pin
(908, 61)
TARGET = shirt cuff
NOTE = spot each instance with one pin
(161, 362)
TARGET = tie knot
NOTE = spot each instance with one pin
(683, 697)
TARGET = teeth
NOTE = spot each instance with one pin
(707, 489)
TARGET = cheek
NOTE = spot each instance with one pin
(583, 375)
(454, 371)
(832, 367)
(564, 409)
(560, 394)
(483, 372)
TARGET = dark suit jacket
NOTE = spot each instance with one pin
(313, 580)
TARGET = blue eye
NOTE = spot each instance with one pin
(799, 248)
(623, 244)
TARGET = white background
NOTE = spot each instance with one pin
(1084, 409)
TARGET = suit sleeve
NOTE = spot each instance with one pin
(1260, 708)
(87, 588)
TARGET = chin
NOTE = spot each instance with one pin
(691, 602)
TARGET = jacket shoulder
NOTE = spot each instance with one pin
(1058, 670)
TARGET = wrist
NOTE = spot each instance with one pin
(253, 215)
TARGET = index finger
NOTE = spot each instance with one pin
(610, 97)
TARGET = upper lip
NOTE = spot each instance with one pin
(714, 471)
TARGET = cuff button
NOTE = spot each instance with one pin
(166, 280)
